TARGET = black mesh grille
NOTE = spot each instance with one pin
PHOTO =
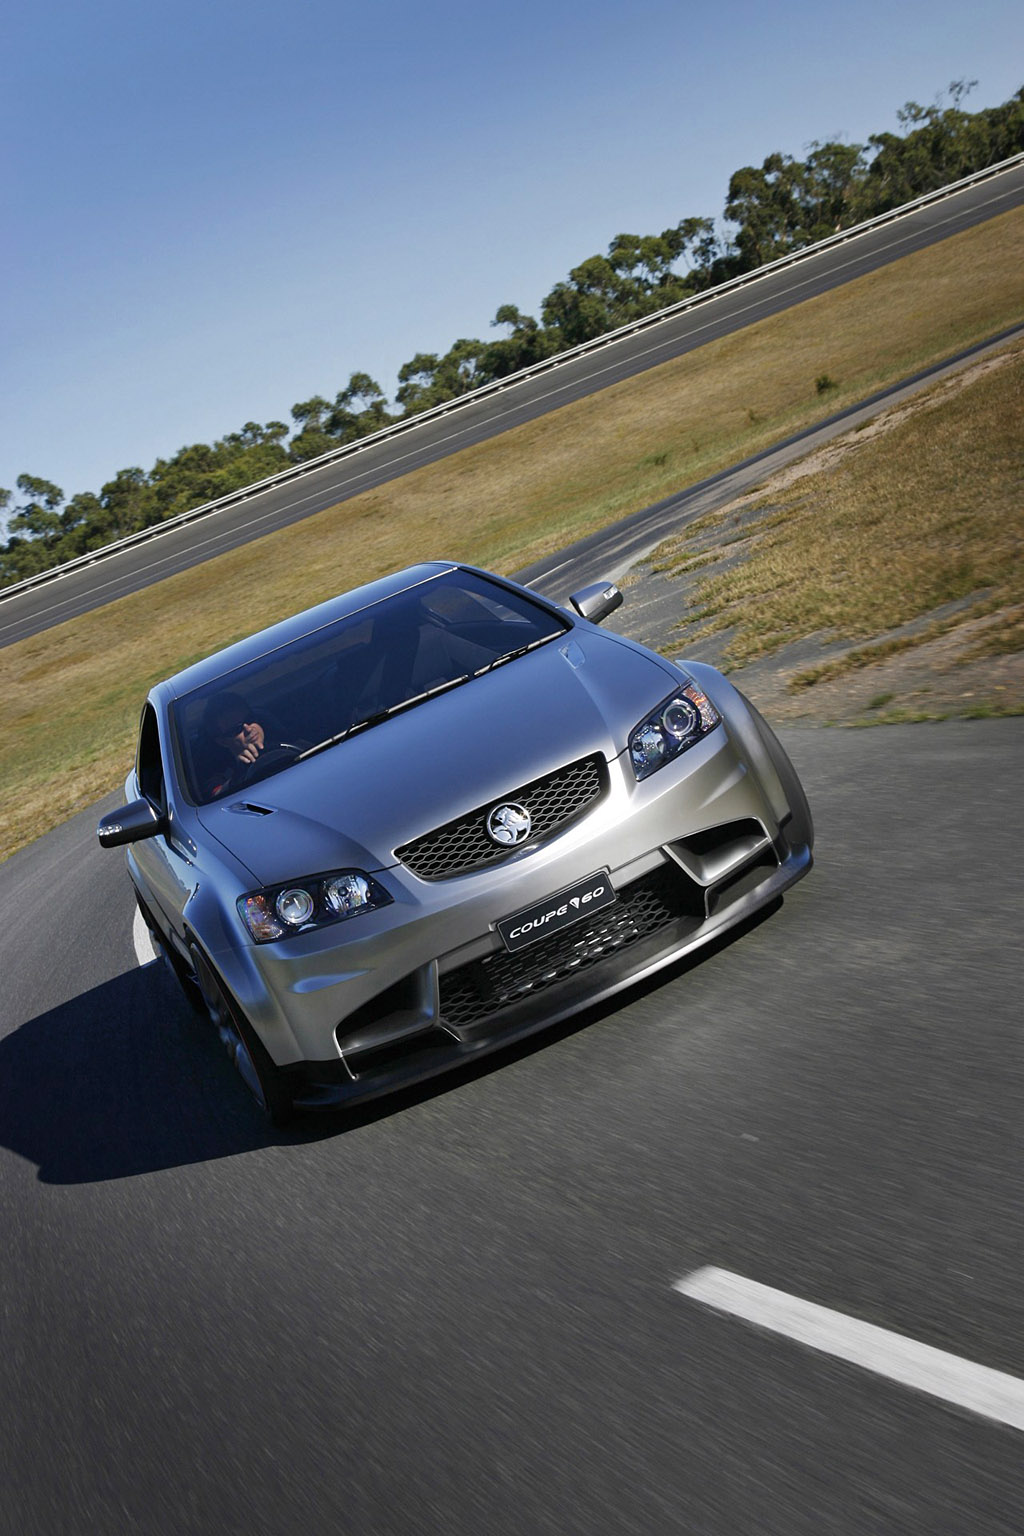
(481, 989)
(463, 845)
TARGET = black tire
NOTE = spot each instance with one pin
(248, 1054)
(801, 827)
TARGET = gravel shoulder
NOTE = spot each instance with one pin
(934, 678)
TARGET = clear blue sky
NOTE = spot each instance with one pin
(216, 208)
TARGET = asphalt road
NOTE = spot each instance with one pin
(454, 1312)
(177, 549)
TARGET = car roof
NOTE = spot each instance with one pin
(264, 641)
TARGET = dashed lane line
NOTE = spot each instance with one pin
(989, 1393)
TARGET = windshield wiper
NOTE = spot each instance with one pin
(350, 730)
(419, 698)
(499, 661)
(384, 714)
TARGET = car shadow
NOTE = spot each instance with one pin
(118, 1081)
(124, 1080)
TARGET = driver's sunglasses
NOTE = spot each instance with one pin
(234, 728)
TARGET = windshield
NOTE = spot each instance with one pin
(311, 694)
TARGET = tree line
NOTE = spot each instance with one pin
(770, 210)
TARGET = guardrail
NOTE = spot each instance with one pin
(499, 386)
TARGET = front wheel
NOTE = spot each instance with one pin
(248, 1054)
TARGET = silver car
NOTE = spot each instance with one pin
(435, 814)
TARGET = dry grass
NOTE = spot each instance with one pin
(69, 698)
(924, 513)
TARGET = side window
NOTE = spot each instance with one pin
(148, 766)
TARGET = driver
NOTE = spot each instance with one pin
(235, 740)
(233, 730)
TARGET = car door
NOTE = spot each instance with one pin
(166, 862)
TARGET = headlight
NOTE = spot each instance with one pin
(277, 910)
(677, 723)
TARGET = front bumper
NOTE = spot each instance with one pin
(397, 995)
(410, 1058)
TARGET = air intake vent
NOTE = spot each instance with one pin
(476, 992)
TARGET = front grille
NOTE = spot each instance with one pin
(477, 991)
(463, 845)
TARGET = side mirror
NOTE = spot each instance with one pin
(133, 821)
(596, 602)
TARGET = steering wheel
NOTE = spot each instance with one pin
(274, 756)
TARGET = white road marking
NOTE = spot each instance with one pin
(992, 1394)
(144, 951)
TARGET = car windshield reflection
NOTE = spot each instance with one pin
(325, 687)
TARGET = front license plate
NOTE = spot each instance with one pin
(557, 912)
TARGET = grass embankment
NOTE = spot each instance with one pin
(69, 698)
(908, 536)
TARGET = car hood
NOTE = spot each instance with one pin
(352, 805)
